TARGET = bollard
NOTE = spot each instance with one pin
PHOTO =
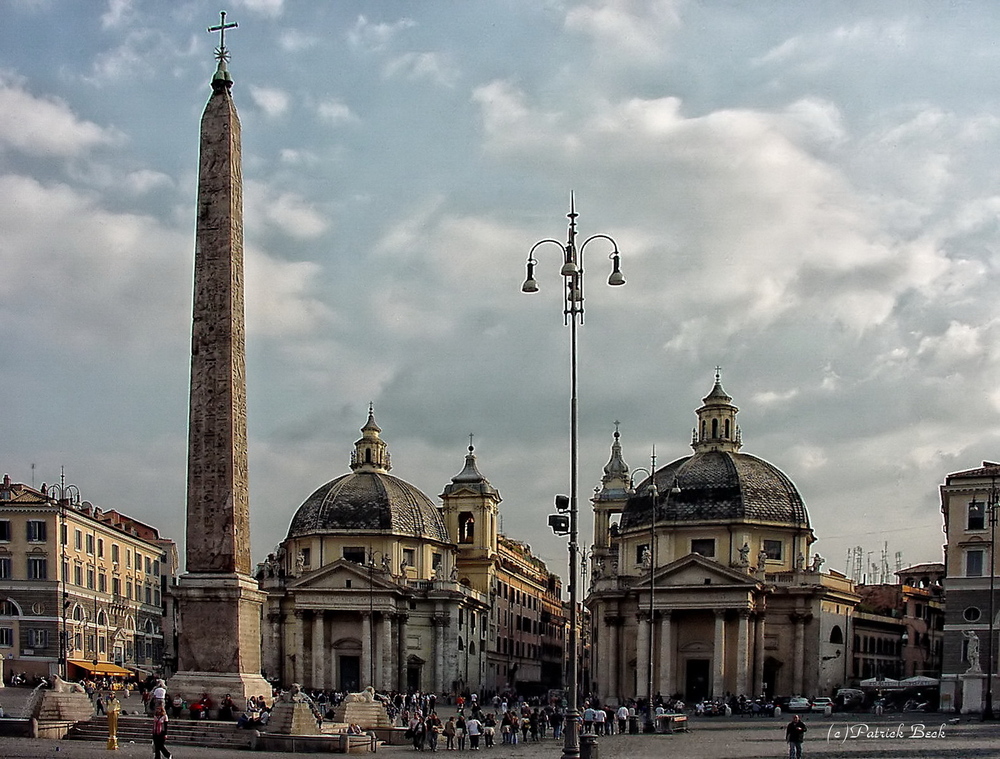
(588, 747)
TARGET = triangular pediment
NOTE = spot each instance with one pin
(695, 570)
(334, 576)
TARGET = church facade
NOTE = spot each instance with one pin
(375, 584)
(702, 583)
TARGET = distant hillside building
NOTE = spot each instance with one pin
(738, 604)
(109, 570)
(375, 584)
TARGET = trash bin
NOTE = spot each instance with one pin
(588, 747)
(633, 724)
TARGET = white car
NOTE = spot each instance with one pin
(798, 704)
(821, 704)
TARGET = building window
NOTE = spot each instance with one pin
(355, 554)
(773, 549)
(100, 548)
(38, 567)
(78, 575)
(114, 552)
(5, 568)
(90, 579)
(977, 515)
(38, 638)
(64, 534)
(436, 561)
(704, 546)
(36, 531)
(102, 582)
(8, 609)
(410, 557)
(6, 637)
(116, 586)
(4, 530)
(972, 614)
(90, 544)
(974, 562)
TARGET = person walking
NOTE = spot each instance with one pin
(795, 732)
(160, 733)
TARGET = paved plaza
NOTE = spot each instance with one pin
(861, 736)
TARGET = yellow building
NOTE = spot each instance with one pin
(703, 585)
(81, 589)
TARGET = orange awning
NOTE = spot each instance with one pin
(101, 668)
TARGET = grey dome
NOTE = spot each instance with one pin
(368, 501)
(719, 486)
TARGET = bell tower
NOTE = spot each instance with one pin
(717, 429)
(471, 514)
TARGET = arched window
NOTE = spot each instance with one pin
(715, 428)
(8, 609)
(466, 527)
(837, 635)
(368, 455)
(78, 614)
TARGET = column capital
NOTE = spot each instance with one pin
(744, 613)
(720, 613)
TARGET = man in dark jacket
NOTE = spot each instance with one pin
(794, 733)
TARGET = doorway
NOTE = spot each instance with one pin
(350, 674)
(696, 681)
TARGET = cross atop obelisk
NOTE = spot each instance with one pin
(221, 53)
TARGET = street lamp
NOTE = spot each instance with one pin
(572, 274)
(649, 726)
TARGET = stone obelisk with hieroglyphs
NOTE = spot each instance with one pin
(218, 601)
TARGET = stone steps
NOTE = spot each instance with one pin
(182, 732)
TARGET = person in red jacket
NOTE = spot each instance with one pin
(160, 733)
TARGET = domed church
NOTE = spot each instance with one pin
(702, 584)
(375, 584)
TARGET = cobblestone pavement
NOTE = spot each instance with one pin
(859, 737)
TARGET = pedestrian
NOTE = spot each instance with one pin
(160, 733)
(795, 731)
(475, 728)
(449, 734)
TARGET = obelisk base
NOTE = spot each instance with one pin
(219, 638)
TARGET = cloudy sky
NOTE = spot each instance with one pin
(803, 194)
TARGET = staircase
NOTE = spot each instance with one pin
(180, 732)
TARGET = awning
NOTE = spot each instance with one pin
(919, 681)
(101, 668)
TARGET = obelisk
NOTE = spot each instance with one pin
(218, 601)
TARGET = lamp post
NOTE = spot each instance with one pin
(654, 494)
(65, 495)
(572, 274)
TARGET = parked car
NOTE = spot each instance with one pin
(821, 704)
(798, 704)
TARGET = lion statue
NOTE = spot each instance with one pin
(367, 696)
(65, 686)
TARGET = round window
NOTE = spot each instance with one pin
(972, 614)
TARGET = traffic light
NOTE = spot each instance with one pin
(562, 503)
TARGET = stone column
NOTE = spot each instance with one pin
(742, 654)
(318, 652)
(388, 660)
(366, 649)
(614, 657)
(642, 656)
(719, 676)
(758, 653)
(401, 620)
(439, 625)
(798, 658)
(298, 628)
(666, 686)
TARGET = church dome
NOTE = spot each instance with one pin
(718, 483)
(719, 486)
(369, 499)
